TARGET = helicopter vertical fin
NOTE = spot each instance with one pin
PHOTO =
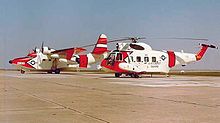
(203, 50)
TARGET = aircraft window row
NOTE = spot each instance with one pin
(146, 59)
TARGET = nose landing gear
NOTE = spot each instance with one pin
(22, 71)
(54, 67)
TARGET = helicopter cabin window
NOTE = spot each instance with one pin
(154, 59)
(129, 61)
(119, 57)
(138, 59)
(146, 59)
(132, 59)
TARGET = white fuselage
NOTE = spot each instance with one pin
(156, 61)
(140, 58)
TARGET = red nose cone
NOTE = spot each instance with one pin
(10, 61)
(14, 61)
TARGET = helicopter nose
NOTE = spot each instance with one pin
(10, 61)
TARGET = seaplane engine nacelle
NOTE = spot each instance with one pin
(47, 50)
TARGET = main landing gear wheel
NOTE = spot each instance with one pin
(117, 75)
(57, 71)
(133, 75)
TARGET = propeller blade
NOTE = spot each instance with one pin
(42, 47)
(35, 49)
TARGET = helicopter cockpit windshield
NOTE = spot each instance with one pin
(114, 56)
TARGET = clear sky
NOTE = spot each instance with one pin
(24, 24)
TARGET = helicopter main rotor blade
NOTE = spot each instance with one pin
(117, 40)
(173, 38)
(135, 39)
(127, 39)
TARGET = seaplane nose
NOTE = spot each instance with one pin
(10, 61)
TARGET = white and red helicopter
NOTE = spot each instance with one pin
(133, 59)
(51, 60)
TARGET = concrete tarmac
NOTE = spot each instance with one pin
(101, 98)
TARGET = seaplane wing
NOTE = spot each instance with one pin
(66, 53)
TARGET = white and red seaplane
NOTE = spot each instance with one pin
(51, 60)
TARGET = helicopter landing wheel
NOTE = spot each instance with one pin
(117, 75)
(133, 75)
